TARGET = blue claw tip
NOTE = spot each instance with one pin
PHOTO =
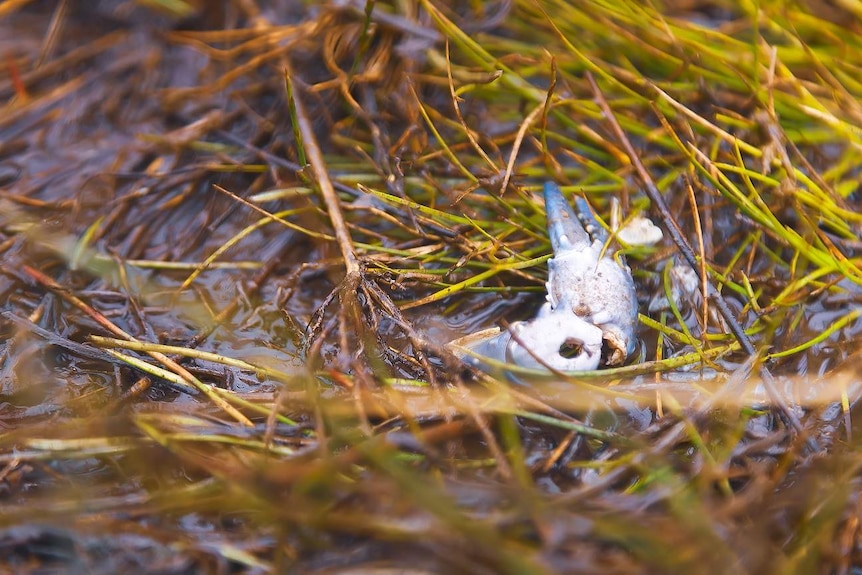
(564, 228)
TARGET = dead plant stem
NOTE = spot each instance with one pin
(318, 168)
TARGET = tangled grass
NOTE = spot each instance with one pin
(235, 242)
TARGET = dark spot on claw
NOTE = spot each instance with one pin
(571, 348)
(582, 310)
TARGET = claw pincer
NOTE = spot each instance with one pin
(586, 280)
(590, 315)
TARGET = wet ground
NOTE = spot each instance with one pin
(142, 153)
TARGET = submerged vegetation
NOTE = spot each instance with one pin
(236, 238)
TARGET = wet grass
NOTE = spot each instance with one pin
(235, 242)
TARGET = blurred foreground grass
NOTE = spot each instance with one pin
(236, 237)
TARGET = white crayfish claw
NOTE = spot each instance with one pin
(591, 312)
